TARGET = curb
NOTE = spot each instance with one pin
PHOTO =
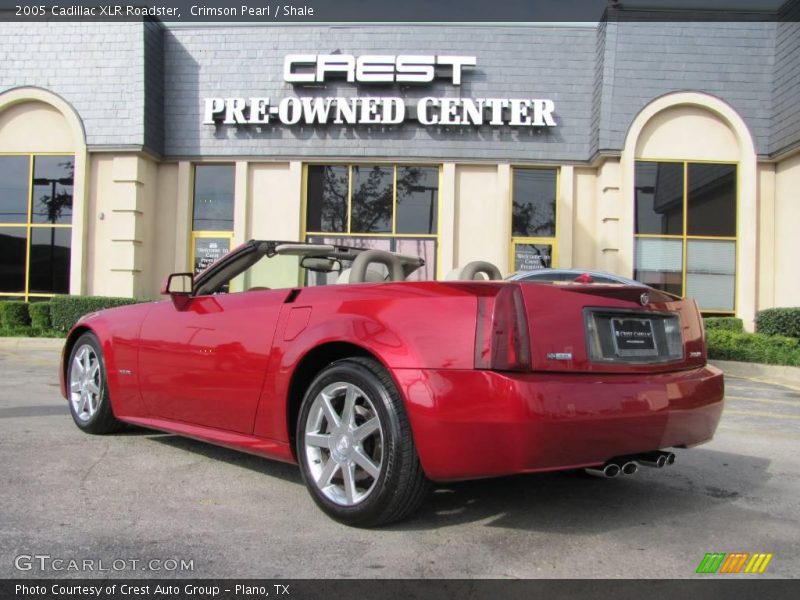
(778, 374)
(33, 343)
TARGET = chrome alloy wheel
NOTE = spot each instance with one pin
(85, 382)
(344, 443)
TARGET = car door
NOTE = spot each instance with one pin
(205, 363)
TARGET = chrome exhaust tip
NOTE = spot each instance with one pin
(608, 470)
(629, 468)
(656, 460)
(670, 458)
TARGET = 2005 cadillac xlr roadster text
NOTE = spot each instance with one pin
(382, 385)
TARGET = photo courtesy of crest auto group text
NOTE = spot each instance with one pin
(399, 299)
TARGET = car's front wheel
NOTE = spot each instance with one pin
(86, 388)
(355, 447)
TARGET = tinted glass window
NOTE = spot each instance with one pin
(208, 250)
(659, 198)
(534, 203)
(52, 189)
(372, 200)
(50, 258)
(711, 201)
(326, 208)
(659, 264)
(12, 258)
(213, 198)
(711, 273)
(529, 257)
(417, 199)
(14, 181)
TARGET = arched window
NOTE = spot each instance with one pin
(37, 195)
(690, 167)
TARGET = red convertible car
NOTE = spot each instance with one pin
(378, 386)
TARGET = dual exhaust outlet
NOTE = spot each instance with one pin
(628, 465)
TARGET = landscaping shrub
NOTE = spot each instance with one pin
(779, 321)
(66, 310)
(14, 314)
(40, 315)
(725, 323)
(753, 347)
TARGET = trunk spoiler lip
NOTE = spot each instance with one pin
(621, 291)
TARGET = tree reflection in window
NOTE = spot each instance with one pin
(372, 200)
(327, 198)
(53, 177)
(417, 199)
(534, 203)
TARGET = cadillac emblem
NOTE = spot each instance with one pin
(644, 299)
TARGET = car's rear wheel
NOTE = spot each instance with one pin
(355, 447)
(89, 402)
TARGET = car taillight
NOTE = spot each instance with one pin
(501, 335)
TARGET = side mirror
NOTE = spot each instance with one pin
(178, 284)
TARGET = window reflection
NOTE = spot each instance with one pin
(417, 199)
(659, 198)
(52, 189)
(50, 260)
(14, 181)
(711, 200)
(534, 203)
(327, 188)
(372, 200)
(12, 259)
(706, 194)
(213, 198)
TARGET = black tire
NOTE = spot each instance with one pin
(400, 485)
(96, 417)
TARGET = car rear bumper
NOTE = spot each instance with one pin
(469, 424)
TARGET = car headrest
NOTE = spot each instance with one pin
(367, 257)
(371, 276)
(477, 269)
(471, 270)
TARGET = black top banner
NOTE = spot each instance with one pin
(392, 11)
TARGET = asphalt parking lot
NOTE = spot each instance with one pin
(143, 495)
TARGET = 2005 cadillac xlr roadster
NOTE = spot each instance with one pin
(379, 386)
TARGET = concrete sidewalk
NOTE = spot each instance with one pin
(775, 374)
(26, 342)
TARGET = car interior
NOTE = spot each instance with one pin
(264, 265)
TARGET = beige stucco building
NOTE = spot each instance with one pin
(687, 179)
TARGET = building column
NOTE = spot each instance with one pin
(565, 212)
(613, 256)
(447, 221)
(80, 214)
(240, 208)
(127, 225)
(502, 222)
(183, 217)
(766, 236)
